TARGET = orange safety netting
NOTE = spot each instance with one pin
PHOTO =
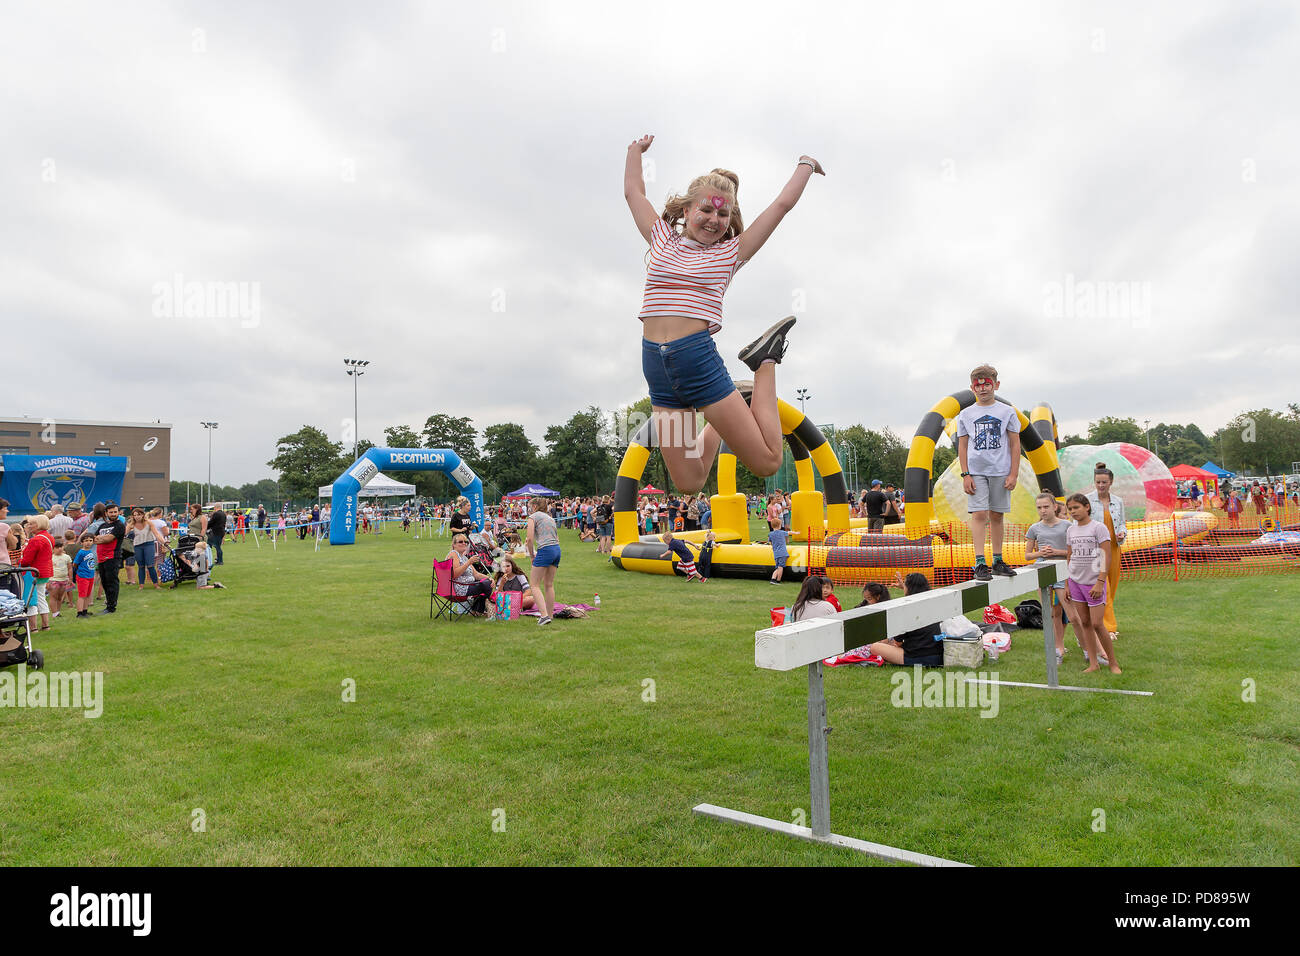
(1193, 544)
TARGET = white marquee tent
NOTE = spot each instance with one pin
(380, 486)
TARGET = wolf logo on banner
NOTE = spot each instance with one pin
(64, 490)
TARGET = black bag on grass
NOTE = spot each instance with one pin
(12, 650)
(1029, 613)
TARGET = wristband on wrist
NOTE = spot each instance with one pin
(809, 163)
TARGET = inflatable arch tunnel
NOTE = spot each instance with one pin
(734, 556)
(1038, 440)
(347, 487)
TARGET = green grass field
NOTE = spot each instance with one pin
(230, 702)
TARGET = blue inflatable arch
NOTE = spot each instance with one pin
(343, 522)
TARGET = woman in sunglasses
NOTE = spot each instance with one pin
(466, 579)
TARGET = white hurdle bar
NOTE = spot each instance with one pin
(808, 643)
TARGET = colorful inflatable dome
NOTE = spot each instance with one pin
(1141, 479)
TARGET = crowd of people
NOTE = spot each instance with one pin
(483, 565)
(80, 558)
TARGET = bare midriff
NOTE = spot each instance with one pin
(668, 328)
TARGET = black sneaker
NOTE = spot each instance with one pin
(983, 573)
(110, 610)
(770, 345)
(1004, 569)
(746, 389)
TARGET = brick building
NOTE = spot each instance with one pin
(146, 446)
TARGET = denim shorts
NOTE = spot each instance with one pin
(686, 372)
(548, 556)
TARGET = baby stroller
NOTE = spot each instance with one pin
(16, 585)
(181, 571)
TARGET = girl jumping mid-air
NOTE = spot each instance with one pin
(687, 274)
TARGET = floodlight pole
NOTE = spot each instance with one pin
(210, 426)
(355, 367)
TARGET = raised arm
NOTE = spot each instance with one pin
(643, 214)
(758, 232)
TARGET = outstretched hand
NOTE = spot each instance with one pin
(642, 144)
(816, 167)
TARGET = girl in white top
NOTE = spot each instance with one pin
(809, 603)
(686, 278)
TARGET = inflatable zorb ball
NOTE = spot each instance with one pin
(950, 497)
(1141, 479)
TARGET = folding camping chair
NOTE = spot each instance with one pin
(441, 593)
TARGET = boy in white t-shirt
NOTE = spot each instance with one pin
(988, 447)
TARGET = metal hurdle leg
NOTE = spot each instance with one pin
(1049, 651)
(1049, 634)
(819, 775)
(820, 794)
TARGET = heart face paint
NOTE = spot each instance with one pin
(718, 201)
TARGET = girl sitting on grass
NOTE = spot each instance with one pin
(510, 578)
(917, 646)
(810, 603)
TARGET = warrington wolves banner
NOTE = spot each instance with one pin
(34, 483)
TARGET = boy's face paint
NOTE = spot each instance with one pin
(984, 388)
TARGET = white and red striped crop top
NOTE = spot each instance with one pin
(687, 278)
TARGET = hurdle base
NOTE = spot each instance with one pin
(878, 850)
(1091, 690)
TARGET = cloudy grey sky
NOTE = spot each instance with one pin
(412, 182)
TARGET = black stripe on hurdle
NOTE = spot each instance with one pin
(974, 597)
(798, 450)
(865, 630)
(1045, 430)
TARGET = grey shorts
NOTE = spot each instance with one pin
(990, 495)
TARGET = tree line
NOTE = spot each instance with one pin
(1257, 442)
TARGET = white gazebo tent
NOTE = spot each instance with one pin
(380, 486)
